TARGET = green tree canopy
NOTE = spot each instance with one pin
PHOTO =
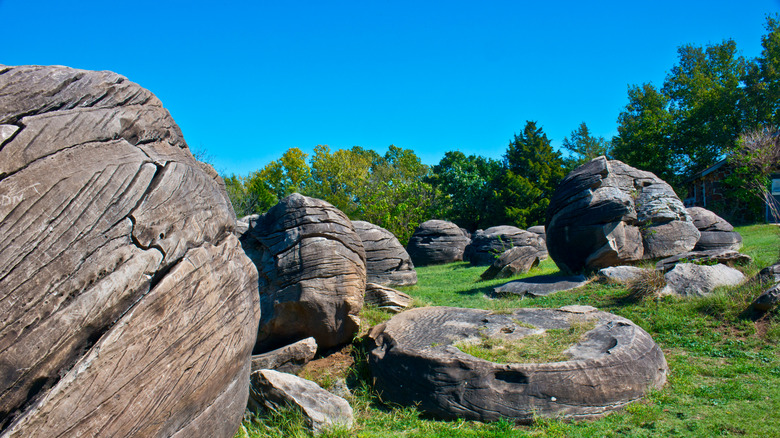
(583, 147)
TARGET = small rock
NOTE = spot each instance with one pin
(767, 300)
(517, 260)
(621, 274)
(387, 298)
(688, 279)
(272, 390)
(770, 273)
(541, 285)
(288, 359)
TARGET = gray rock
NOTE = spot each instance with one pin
(129, 308)
(436, 242)
(288, 359)
(541, 285)
(606, 213)
(322, 410)
(768, 299)
(770, 273)
(715, 256)
(688, 279)
(542, 233)
(415, 363)
(489, 244)
(312, 270)
(622, 274)
(716, 233)
(387, 261)
(387, 298)
(517, 260)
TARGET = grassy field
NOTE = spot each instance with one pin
(724, 369)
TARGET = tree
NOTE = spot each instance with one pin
(342, 176)
(533, 171)
(755, 157)
(704, 91)
(644, 131)
(761, 104)
(584, 147)
(469, 185)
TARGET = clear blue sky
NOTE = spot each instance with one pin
(246, 80)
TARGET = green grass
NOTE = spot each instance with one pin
(724, 369)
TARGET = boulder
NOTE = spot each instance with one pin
(486, 246)
(387, 261)
(606, 213)
(415, 361)
(322, 410)
(716, 233)
(517, 260)
(622, 274)
(542, 233)
(312, 270)
(769, 299)
(386, 298)
(288, 359)
(770, 274)
(713, 256)
(541, 285)
(689, 279)
(129, 308)
(436, 242)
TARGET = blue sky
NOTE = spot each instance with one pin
(248, 80)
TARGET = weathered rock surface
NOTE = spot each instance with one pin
(770, 273)
(312, 270)
(128, 308)
(606, 213)
(713, 256)
(688, 279)
(387, 298)
(541, 285)
(322, 410)
(487, 245)
(415, 363)
(436, 242)
(768, 299)
(542, 233)
(716, 232)
(288, 359)
(387, 261)
(517, 260)
(622, 274)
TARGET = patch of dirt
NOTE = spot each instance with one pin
(333, 366)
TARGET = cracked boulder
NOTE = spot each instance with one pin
(128, 308)
(488, 245)
(436, 242)
(716, 232)
(387, 262)
(417, 359)
(607, 213)
(312, 270)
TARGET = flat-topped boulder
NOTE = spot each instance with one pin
(129, 308)
(713, 256)
(487, 245)
(436, 242)
(387, 261)
(606, 213)
(312, 270)
(541, 285)
(689, 279)
(716, 232)
(417, 359)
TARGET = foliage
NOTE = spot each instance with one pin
(754, 159)
(583, 147)
(469, 185)
(533, 171)
(761, 105)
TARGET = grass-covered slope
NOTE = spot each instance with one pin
(725, 370)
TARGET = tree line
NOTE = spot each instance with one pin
(708, 99)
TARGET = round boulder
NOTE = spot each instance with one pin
(607, 213)
(436, 242)
(129, 308)
(417, 360)
(312, 268)
(387, 262)
(716, 232)
(487, 245)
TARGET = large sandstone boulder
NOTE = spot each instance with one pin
(606, 213)
(487, 245)
(128, 308)
(387, 262)
(416, 359)
(312, 270)
(436, 242)
(716, 232)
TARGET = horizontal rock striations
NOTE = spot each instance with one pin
(436, 242)
(387, 262)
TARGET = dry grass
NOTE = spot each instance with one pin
(645, 285)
